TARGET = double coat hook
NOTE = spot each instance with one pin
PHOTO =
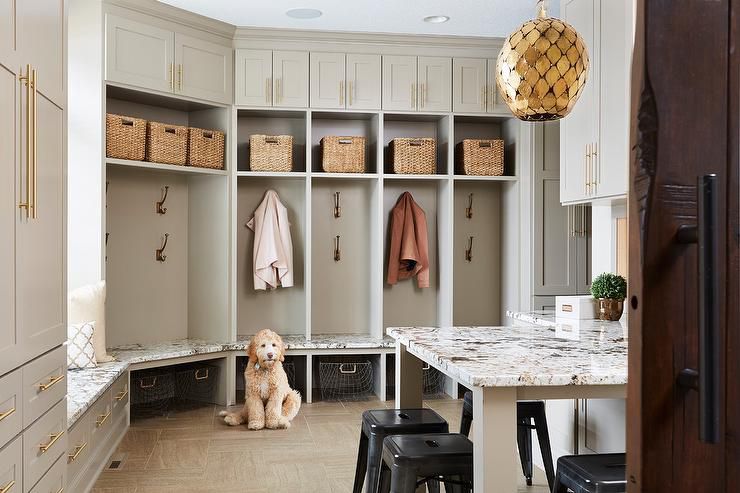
(337, 205)
(160, 204)
(159, 254)
(469, 250)
(469, 208)
(337, 250)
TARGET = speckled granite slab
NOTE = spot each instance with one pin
(84, 387)
(594, 353)
(338, 341)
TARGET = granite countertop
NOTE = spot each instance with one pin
(84, 387)
(536, 354)
(547, 317)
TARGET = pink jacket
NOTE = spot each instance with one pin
(273, 247)
(409, 250)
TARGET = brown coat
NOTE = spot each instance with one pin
(409, 251)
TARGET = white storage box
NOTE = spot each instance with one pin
(578, 307)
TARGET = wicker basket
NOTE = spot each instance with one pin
(414, 156)
(271, 152)
(205, 148)
(166, 144)
(481, 157)
(125, 137)
(343, 154)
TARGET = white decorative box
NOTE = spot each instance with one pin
(577, 307)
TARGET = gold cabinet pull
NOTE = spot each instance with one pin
(7, 487)
(179, 77)
(280, 90)
(78, 450)
(268, 90)
(53, 439)
(5, 415)
(121, 395)
(34, 147)
(351, 90)
(52, 381)
(483, 98)
(102, 419)
(26, 80)
(413, 96)
(61, 490)
(172, 77)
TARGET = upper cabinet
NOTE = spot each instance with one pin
(345, 81)
(474, 86)
(594, 138)
(272, 78)
(417, 83)
(153, 58)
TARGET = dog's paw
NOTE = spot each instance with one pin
(255, 425)
(233, 420)
(223, 413)
(272, 424)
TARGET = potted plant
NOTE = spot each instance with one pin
(611, 290)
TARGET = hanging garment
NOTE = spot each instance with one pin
(409, 250)
(273, 248)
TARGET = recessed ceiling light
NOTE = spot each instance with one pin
(436, 19)
(304, 13)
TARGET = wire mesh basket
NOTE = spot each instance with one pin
(434, 381)
(152, 392)
(196, 382)
(347, 379)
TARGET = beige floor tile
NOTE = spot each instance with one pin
(180, 454)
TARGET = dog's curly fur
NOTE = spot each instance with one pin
(269, 400)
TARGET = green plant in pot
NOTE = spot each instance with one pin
(611, 290)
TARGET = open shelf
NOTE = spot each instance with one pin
(344, 176)
(485, 127)
(464, 178)
(150, 98)
(393, 176)
(344, 124)
(262, 122)
(170, 168)
(271, 174)
(399, 125)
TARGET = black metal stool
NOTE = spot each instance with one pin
(598, 473)
(378, 424)
(526, 413)
(407, 458)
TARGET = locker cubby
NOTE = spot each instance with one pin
(486, 127)
(345, 124)
(417, 126)
(283, 309)
(251, 122)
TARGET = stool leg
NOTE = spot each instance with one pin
(361, 467)
(433, 486)
(543, 437)
(465, 423)
(557, 486)
(524, 441)
(403, 480)
(384, 482)
(374, 461)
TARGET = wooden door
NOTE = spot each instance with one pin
(435, 83)
(40, 248)
(469, 85)
(328, 80)
(290, 79)
(139, 54)
(8, 35)
(399, 83)
(364, 82)
(683, 432)
(205, 70)
(253, 78)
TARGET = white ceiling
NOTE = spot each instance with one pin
(496, 18)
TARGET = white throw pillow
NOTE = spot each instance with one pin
(88, 303)
(80, 350)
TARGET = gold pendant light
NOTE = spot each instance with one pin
(542, 68)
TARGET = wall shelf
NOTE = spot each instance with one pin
(271, 174)
(171, 168)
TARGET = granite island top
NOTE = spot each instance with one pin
(547, 317)
(535, 354)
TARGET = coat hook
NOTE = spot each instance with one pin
(337, 250)
(107, 235)
(337, 205)
(160, 205)
(469, 251)
(160, 256)
(469, 208)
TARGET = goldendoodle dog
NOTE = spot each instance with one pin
(270, 402)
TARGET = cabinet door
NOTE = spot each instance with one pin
(139, 55)
(611, 163)
(435, 84)
(7, 35)
(205, 70)
(469, 85)
(41, 41)
(40, 250)
(9, 159)
(253, 77)
(578, 130)
(327, 80)
(494, 102)
(290, 78)
(363, 82)
(399, 83)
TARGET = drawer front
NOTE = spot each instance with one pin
(44, 384)
(101, 418)
(11, 411)
(43, 443)
(54, 480)
(11, 467)
(79, 445)
(119, 393)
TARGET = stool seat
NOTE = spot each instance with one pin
(598, 473)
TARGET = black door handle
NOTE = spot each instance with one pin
(707, 379)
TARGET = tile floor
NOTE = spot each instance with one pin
(193, 451)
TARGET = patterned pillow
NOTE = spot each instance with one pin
(80, 349)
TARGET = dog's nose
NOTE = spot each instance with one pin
(269, 355)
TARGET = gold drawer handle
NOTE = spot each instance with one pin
(5, 415)
(78, 451)
(121, 395)
(61, 490)
(199, 375)
(52, 381)
(7, 487)
(51, 443)
(102, 419)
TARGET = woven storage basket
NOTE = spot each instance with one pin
(343, 154)
(481, 157)
(166, 144)
(125, 137)
(205, 148)
(414, 156)
(271, 152)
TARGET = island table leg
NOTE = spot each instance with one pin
(495, 467)
(408, 379)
